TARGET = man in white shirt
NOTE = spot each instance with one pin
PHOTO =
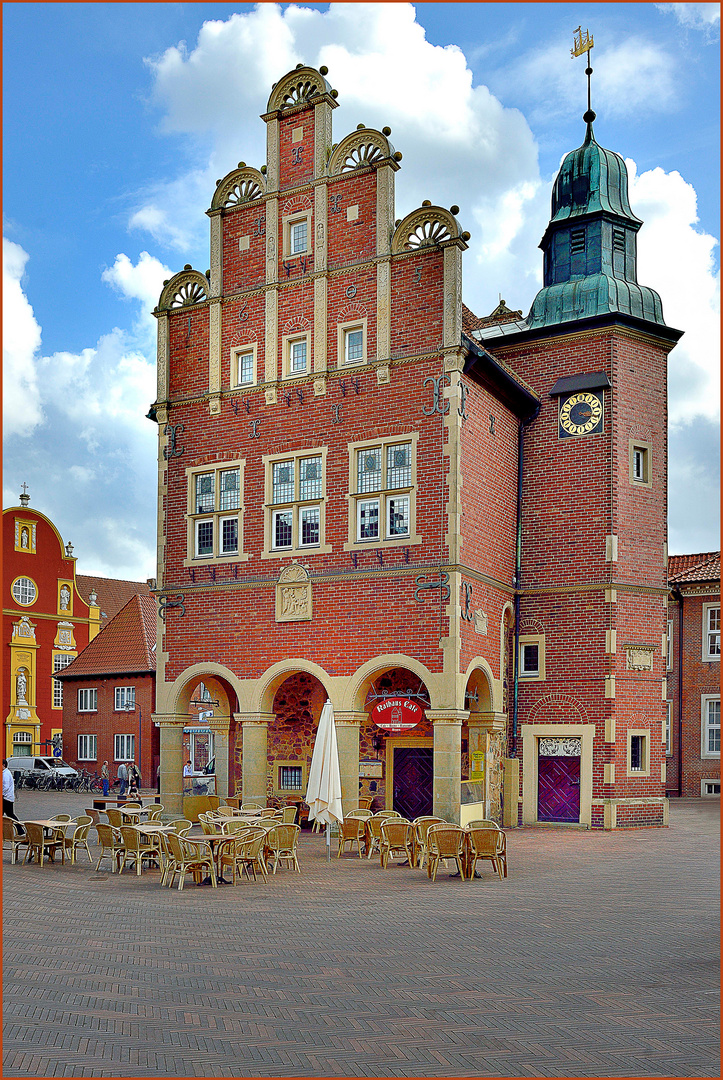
(8, 791)
(188, 768)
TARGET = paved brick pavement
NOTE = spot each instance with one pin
(596, 957)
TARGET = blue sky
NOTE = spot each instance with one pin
(118, 119)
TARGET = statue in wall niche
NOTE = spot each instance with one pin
(21, 687)
(65, 598)
(24, 539)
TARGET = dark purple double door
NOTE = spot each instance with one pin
(558, 793)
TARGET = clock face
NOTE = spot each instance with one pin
(581, 414)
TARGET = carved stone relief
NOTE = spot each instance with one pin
(639, 657)
(480, 622)
(560, 747)
(293, 594)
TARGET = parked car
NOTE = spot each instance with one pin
(40, 765)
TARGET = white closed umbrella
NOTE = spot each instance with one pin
(323, 792)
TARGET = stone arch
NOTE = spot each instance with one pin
(556, 702)
(295, 205)
(265, 689)
(363, 147)
(358, 685)
(184, 289)
(297, 323)
(239, 186)
(427, 227)
(531, 626)
(480, 680)
(297, 87)
(180, 692)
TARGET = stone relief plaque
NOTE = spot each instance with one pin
(639, 657)
(293, 594)
(570, 746)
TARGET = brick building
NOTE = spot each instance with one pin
(451, 526)
(693, 675)
(109, 695)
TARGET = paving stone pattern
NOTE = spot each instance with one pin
(596, 957)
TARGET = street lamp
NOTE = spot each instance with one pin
(131, 707)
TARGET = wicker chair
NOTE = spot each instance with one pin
(490, 845)
(245, 852)
(226, 811)
(191, 855)
(79, 838)
(38, 843)
(251, 806)
(234, 825)
(14, 837)
(395, 839)
(352, 830)
(288, 815)
(373, 833)
(360, 813)
(281, 843)
(136, 848)
(115, 818)
(421, 825)
(65, 818)
(181, 825)
(155, 811)
(482, 823)
(444, 842)
(111, 846)
(207, 823)
(365, 803)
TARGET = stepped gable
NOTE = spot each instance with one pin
(126, 645)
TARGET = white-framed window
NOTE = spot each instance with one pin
(709, 787)
(296, 230)
(124, 697)
(25, 591)
(87, 748)
(296, 354)
(710, 726)
(60, 661)
(383, 492)
(87, 700)
(638, 753)
(668, 729)
(352, 342)
(532, 657)
(640, 457)
(711, 631)
(243, 365)
(669, 647)
(124, 747)
(215, 512)
(295, 498)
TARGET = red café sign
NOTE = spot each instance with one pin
(397, 714)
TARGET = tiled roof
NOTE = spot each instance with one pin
(113, 594)
(689, 568)
(126, 645)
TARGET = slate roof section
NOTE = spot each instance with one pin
(113, 593)
(125, 646)
(685, 569)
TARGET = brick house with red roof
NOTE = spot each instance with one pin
(110, 694)
(692, 742)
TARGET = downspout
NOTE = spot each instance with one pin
(518, 575)
(679, 598)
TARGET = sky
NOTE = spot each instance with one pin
(119, 119)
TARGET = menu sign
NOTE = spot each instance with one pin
(397, 714)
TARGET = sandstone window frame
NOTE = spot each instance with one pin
(291, 232)
(668, 729)
(293, 503)
(383, 495)
(280, 764)
(526, 672)
(343, 342)
(214, 517)
(238, 353)
(640, 460)
(288, 357)
(638, 752)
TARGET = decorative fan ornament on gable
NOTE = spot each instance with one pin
(191, 292)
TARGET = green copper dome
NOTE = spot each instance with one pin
(591, 179)
(590, 244)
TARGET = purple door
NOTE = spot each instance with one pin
(558, 797)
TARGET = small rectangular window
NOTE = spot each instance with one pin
(125, 697)
(290, 777)
(60, 661)
(712, 616)
(244, 369)
(87, 700)
(711, 732)
(205, 493)
(297, 357)
(229, 536)
(354, 345)
(230, 490)
(310, 478)
(530, 659)
(299, 233)
(87, 747)
(639, 463)
(637, 753)
(368, 519)
(710, 787)
(282, 523)
(399, 465)
(668, 728)
(124, 747)
(369, 470)
(283, 482)
(669, 647)
(398, 515)
(309, 526)
(204, 538)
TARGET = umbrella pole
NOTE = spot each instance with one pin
(328, 842)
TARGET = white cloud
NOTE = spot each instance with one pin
(22, 411)
(678, 260)
(704, 17)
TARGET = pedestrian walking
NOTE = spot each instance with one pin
(8, 792)
(122, 777)
(104, 776)
(134, 773)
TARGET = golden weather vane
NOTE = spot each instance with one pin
(582, 43)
